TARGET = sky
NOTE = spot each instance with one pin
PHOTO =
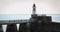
(25, 6)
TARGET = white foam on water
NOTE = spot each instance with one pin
(4, 28)
(17, 26)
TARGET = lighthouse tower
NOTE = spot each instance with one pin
(34, 9)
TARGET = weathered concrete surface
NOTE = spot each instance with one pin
(1, 30)
(11, 28)
(23, 27)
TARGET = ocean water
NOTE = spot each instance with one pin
(55, 18)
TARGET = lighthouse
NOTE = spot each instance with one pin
(34, 9)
